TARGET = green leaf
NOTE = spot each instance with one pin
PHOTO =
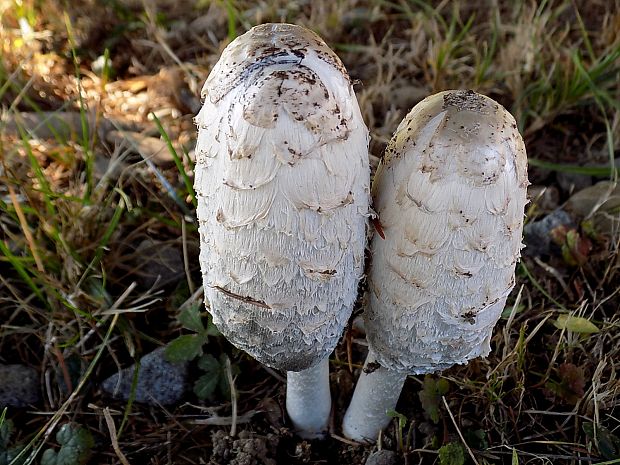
(606, 442)
(211, 328)
(190, 318)
(76, 444)
(8, 454)
(49, 457)
(430, 396)
(402, 422)
(575, 324)
(452, 454)
(184, 348)
(508, 310)
(209, 364)
(205, 386)
(5, 434)
(402, 419)
(476, 439)
(515, 457)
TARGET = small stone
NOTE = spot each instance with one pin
(98, 65)
(382, 457)
(159, 381)
(19, 386)
(599, 203)
(537, 235)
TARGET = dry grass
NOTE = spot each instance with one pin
(78, 197)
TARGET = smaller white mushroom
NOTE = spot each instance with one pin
(282, 179)
(450, 194)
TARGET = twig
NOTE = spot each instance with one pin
(233, 398)
(63, 367)
(508, 325)
(274, 373)
(555, 273)
(195, 297)
(547, 456)
(224, 421)
(345, 440)
(114, 306)
(471, 454)
(112, 429)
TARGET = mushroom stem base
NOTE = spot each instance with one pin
(376, 393)
(308, 400)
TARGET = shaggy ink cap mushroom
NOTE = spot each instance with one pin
(282, 179)
(450, 195)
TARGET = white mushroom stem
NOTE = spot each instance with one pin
(376, 393)
(308, 401)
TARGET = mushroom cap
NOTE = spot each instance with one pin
(450, 194)
(282, 178)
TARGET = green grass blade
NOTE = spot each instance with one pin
(38, 172)
(86, 143)
(600, 172)
(112, 225)
(177, 161)
(21, 270)
(232, 15)
(538, 286)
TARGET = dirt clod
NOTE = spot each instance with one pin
(247, 449)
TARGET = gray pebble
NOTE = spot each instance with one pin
(19, 386)
(599, 204)
(537, 235)
(159, 381)
(382, 457)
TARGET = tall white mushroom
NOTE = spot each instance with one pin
(450, 195)
(282, 179)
